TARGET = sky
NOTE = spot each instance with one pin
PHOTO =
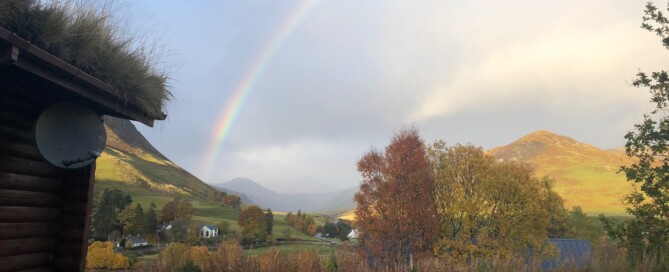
(291, 93)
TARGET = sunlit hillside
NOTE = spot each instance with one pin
(131, 164)
(585, 175)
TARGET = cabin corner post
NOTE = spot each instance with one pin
(74, 224)
(89, 216)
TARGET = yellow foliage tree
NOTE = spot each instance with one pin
(487, 207)
(173, 256)
(201, 257)
(101, 256)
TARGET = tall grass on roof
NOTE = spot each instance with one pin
(85, 36)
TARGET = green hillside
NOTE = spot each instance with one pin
(131, 164)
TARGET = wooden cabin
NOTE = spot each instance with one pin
(45, 211)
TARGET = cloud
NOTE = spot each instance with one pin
(309, 165)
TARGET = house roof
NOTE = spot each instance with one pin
(211, 227)
(574, 253)
(34, 68)
(136, 239)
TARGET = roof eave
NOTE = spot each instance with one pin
(22, 54)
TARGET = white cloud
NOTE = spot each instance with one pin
(565, 69)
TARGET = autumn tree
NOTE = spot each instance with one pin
(486, 207)
(169, 211)
(184, 209)
(395, 207)
(646, 235)
(177, 208)
(253, 223)
(232, 200)
(127, 217)
(101, 256)
(105, 213)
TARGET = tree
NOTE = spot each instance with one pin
(252, 220)
(101, 256)
(105, 214)
(169, 212)
(483, 205)
(127, 217)
(138, 220)
(177, 208)
(579, 225)
(343, 229)
(269, 221)
(223, 228)
(645, 235)
(395, 207)
(150, 220)
(557, 213)
(184, 209)
(232, 200)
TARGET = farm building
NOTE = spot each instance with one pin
(135, 241)
(574, 254)
(45, 210)
(208, 231)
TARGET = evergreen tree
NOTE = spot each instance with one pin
(105, 214)
(269, 221)
(150, 220)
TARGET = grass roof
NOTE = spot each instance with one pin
(87, 38)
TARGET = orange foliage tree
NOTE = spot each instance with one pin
(232, 200)
(395, 207)
(253, 222)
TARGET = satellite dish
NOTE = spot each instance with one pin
(69, 135)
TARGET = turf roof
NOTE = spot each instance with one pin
(87, 38)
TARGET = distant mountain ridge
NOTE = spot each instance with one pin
(585, 175)
(336, 201)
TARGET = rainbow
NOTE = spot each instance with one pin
(247, 82)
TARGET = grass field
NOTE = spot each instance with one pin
(320, 249)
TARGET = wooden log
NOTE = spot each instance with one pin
(27, 230)
(28, 198)
(71, 236)
(68, 264)
(27, 261)
(16, 119)
(11, 214)
(30, 183)
(16, 134)
(39, 269)
(71, 221)
(18, 149)
(68, 250)
(26, 246)
(29, 167)
(74, 208)
(75, 192)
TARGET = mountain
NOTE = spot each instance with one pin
(585, 175)
(130, 163)
(328, 202)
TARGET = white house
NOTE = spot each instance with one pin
(135, 241)
(208, 231)
(353, 235)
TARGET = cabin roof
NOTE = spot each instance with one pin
(35, 69)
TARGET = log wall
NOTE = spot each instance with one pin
(44, 210)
